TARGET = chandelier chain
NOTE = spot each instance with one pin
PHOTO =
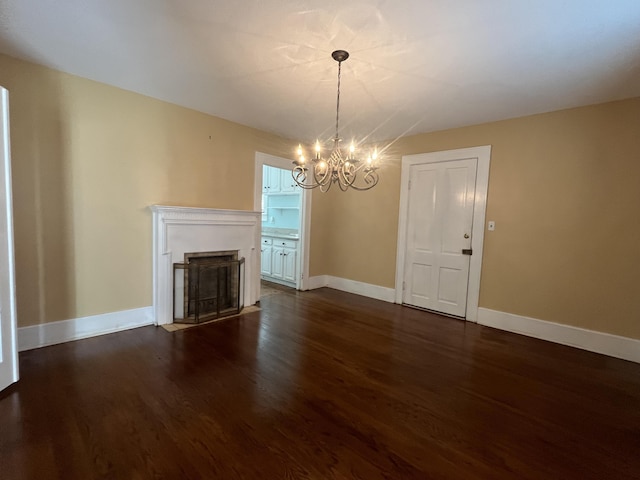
(337, 138)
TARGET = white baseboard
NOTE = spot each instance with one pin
(599, 342)
(318, 281)
(360, 288)
(37, 336)
(351, 286)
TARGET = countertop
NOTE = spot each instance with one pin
(281, 234)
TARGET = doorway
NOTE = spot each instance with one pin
(441, 230)
(293, 260)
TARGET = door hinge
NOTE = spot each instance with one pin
(409, 184)
(404, 285)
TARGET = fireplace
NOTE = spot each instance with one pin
(184, 230)
(208, 285)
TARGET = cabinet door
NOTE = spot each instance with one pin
(287, 184)
(277, 264)
(266, 257)
(265, 178)
(289, 267)
(274, 180)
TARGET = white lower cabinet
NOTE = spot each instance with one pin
(266, 256)
(289, 265)
(279, 260)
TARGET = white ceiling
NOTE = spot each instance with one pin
(415, 65)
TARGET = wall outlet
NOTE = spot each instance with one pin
(491, 226)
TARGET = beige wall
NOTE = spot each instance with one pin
(564, 191)
(88, 160)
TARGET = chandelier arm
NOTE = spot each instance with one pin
(350, 174)
(300, 176)
(344, 173)
(371, 178)
(324, 187)
(319, 177)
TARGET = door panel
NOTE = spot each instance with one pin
(454, 197)
(440, 216)
(421, 282)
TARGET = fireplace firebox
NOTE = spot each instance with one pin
(208, 285)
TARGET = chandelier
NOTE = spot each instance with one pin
(338, 166)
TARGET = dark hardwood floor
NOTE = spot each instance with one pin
(321, 385)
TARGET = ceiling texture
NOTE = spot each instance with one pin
(415, 65)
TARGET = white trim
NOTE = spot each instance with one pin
(9, 369)
(591, 340)
(360, 288)
(483, 154)
(352, 286)
(45, 334)
(305, 213)
(318, 281)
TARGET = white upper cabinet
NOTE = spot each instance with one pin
(277, 180)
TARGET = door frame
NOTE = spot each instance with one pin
(302, 261)
(483, 156)
(8, 318)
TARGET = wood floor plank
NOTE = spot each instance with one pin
(321, 385)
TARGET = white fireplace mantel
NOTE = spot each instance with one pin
(180, 230)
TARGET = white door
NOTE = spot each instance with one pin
(439, 231)
(8, 344)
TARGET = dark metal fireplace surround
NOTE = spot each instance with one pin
(208, 285)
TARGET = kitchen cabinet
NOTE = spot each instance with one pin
(277, 180)
(266, 256)
(281, 266)
(290, 265)
(287, 183)
(270, 179)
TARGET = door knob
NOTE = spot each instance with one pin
(466, 235)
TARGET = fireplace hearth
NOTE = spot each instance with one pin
(208, 285)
